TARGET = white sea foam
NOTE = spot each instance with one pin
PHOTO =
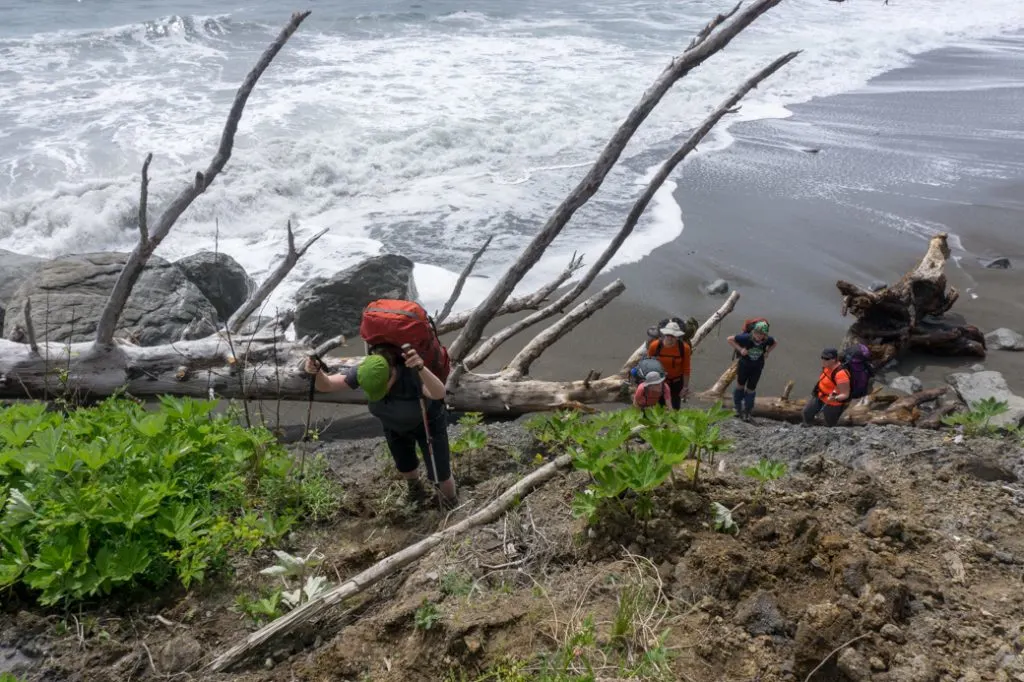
(420, 136)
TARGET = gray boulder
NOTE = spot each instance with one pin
(977, 386)
(907, 384)
(222, 280)
(1004, 339)
(14, 268)
(1001, 263)
(68, 295)
(717, 288)
(328, 306)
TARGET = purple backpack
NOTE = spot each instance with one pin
(857, 361)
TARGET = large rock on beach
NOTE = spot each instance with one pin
(222, 280)
(977, 386)
(68, 295)
(328, 306)
(14, 269)
(1004, 339)
(719, 287)
(1001, 263)
(906, 384)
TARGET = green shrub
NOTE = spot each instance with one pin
(976, 421)
(114, 496)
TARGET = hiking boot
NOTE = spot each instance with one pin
(746, 416)
(416, 494)
(739, 415)
(448, 503)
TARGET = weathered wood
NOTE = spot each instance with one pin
(717, 390)
(461, 282)
(484, 350)
(718, 38)
(148, 243)
(382, 569)
(517, 304)
(291, 257)
(876, 410)
(903, 316)
(520, 364)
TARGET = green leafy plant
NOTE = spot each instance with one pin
(764, 472)
(723, 521)
(300, 577)
(113, 496)
(426, 616)
(628, 454)
(260, 609)
(456, 583)
(472, 440)
(977, 420)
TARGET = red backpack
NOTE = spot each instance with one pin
(395, 322)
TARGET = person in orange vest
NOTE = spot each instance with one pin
(831, 393)
(673, 351)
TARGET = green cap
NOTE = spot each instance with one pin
(373, 374)
(762, 327)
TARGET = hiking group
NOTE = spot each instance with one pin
(405, 368)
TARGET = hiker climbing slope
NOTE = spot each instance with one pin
(673, 351)
(831, 394)
(404, 393)
(752, 346)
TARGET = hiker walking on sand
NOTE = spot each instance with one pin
(673, 351)
(653, 391)
(753, 348)
(394, 383)
(832, 392)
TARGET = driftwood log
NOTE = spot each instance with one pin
(906, 315)
(263, 365)
(387, 566)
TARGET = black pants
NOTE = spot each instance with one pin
(832, 413)
(675, 390)
(402, 445)
(748, 374)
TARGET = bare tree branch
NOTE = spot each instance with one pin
(457, 291)
(711, 26)
(588, 186)
(30, 331)
(530, 301)
(292, 257)
(520, 364)
(144, 199)
(481, 353)
(147, 245)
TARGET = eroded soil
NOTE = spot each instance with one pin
(898, 547)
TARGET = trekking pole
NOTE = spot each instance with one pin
(426, 431)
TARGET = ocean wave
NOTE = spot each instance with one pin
(415, 133)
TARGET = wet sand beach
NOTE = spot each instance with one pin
(920, 150)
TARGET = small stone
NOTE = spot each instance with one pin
(833, 542)
(1004, 339)
(318, 642)
(877, 664)
(882, 522)
(718, 287)
(893, 633)
(907, 384)
(431, 575)
(977, 367)
(179, 655)
(268, 663)
(1001, 263)
(853, 664)
(473, 644)
(1004, 557)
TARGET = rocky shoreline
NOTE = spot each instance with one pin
(186, 299)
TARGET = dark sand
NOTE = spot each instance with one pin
(913, 154)
(782, 225)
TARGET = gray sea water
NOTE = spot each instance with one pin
(410, 127)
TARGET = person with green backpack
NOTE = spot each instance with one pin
(752, 348)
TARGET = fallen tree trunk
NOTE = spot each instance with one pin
(904, 316)
(874, 410)
(388, 566)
